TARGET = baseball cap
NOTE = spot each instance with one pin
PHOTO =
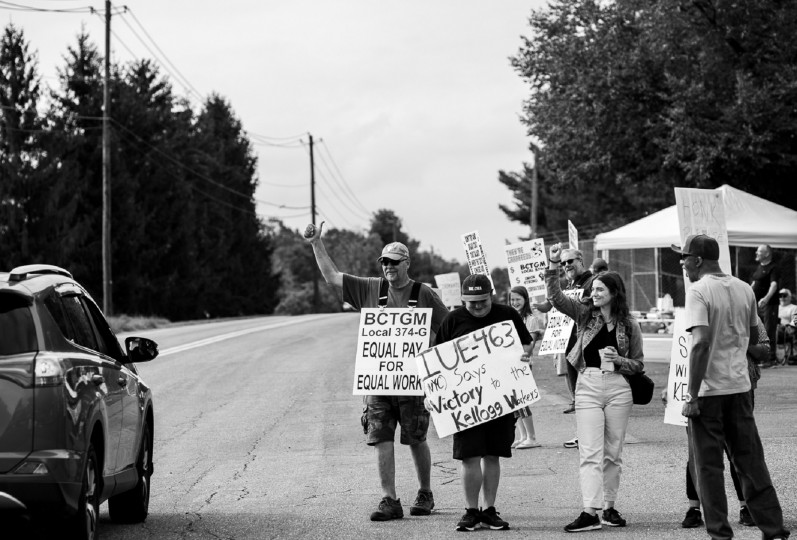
(476, 287)
(699, 245)
(396, 251)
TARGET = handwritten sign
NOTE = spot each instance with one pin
(477, 262)
(476, 378)
(388, 340)
(678, 381)
(526, 264)
(702, 211)
(572, 234)
(557, 332)
(450, 292)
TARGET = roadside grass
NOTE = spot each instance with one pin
(128, 323)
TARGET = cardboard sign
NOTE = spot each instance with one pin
(678, 381)
(702, 211)
(477, 262)
(557, 332)
(476, 378)
(572, 234)
(388, 340)
(526, 264)
(450, 291)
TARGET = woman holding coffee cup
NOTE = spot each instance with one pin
(608, 346)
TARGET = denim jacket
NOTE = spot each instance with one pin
(589, 322)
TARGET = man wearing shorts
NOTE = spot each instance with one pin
(381, 414)
(480, 447)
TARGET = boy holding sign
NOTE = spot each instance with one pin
(383, 413)
(480, 447)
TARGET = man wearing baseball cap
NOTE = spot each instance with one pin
(381, 414)
(722, 316)
(480, 447)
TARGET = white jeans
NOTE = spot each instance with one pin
(603, 405)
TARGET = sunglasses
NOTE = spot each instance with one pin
(783, 295)
(391, 262)
(571, 261)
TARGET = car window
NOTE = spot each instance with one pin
(81, 324)
(109, 345)
(53, 305)
(16, 326)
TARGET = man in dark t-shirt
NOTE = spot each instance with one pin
(480, 447)
(765, 287)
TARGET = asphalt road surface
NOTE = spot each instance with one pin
(258, 436)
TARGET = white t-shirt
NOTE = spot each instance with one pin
(786, 313)
(728, 307)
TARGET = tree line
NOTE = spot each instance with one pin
(630, 98)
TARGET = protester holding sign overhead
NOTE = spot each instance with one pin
(608, 346)
(381, 414)
(480, 447)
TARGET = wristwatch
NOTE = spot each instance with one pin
(687, 398)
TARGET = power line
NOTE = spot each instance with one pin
(11, 6)
(346, 184)
(338, 193)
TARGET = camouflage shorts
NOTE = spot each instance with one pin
(382, 413)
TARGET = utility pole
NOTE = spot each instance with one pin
(316, 299)
(107, 305)
(534, 193)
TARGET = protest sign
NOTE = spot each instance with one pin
(678, 381)
(702, 211)
(477, 262)
(557, 332)
(476, 378)
(388, 340)
(572, 234)
(450, 292)
(526, 264)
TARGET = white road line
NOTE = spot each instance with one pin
(230, 335)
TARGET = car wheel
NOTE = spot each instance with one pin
(133, 506)
(83, 526)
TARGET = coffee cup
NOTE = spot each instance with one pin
(606, 365)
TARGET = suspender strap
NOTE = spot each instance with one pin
(383, 285)
(416, 291)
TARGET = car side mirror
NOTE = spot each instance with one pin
(140, 349)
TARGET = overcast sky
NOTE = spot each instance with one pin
(413, 103)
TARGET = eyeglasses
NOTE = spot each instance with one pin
(391, 262)
(783, 295)
(571, 261)
(687, 255)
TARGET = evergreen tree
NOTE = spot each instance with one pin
(20, 152)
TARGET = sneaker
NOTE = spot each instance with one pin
(745, 518)
(424, 502)
(470, 520)
(388, 509)
(491, 520)
(570, 409)
(612, 518)
(584, 522)
(693, 519)
(572, 443)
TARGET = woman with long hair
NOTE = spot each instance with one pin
(526, 437)
(608, 347)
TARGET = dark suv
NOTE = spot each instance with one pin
(76, 419)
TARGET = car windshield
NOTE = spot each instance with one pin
(16, 326)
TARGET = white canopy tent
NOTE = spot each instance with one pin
(751, 221)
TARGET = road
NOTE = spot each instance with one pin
(257, 436)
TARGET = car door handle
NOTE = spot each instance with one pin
(122, 381)
(97, 380)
